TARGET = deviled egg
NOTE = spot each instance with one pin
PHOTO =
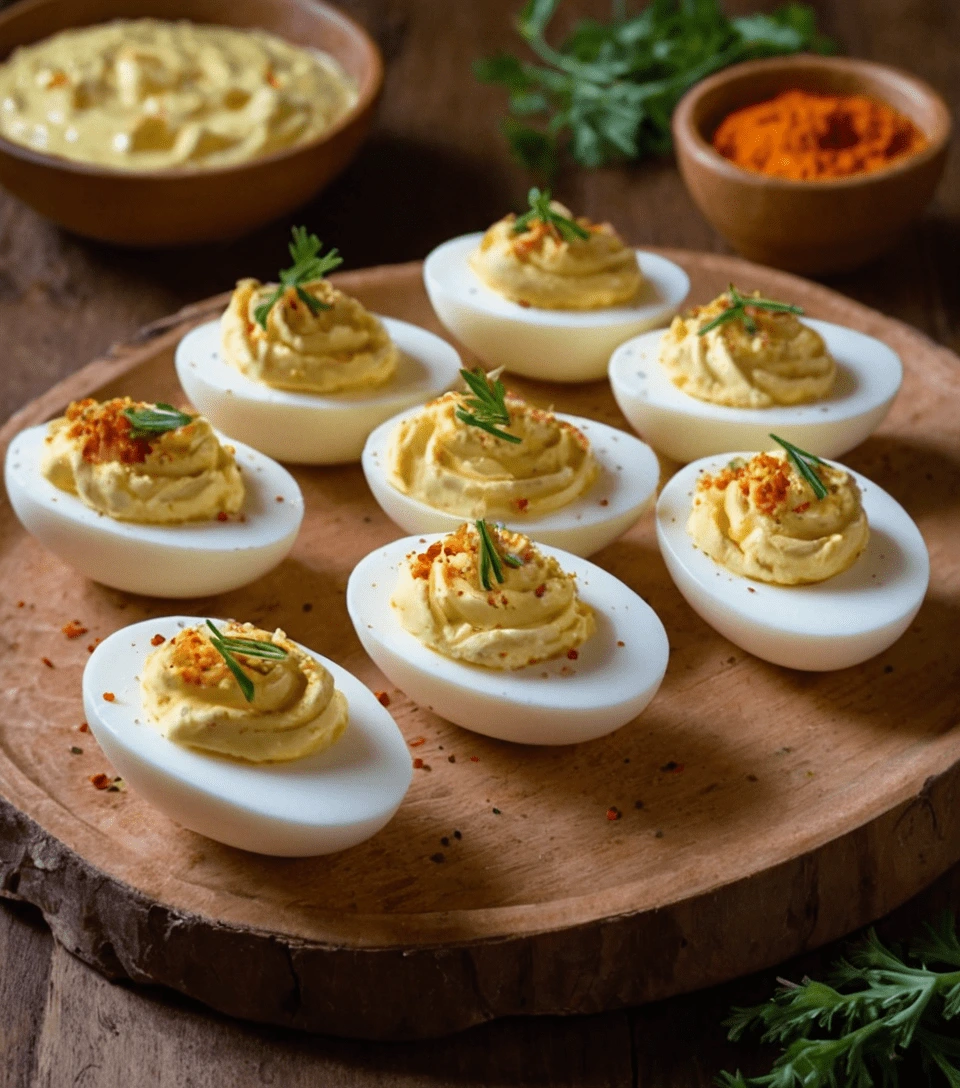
(724, 375)
(569, 482)
(800, 561)
(245, 736)
(548, 295)
(303, 372)
(148, 499)
(507, 638)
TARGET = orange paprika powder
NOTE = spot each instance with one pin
(815, 137)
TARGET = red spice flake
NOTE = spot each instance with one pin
(523, 302)
(101, 781)
(382, 698)
(540, 590)
(620, 642)
(800, 509)
(109, 697)
(474, 759)
(74, 629)
(420, 567)
(764, 478)
(48, 662)
(604, 502)
(21, 604)
(157, 640)
(103, 432)
(572, 654)
(222, 516)
(672, 767)
(522, 504)
(613, 813)
(278, 498)
(418, 763)
(83, 728)
(417, 741)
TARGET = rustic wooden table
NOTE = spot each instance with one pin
(435, 167)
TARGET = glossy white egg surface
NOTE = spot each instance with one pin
(561, 701)
(622, 492)
(869, 375)
(551, 345)
(322, 803)
(307, 428)
(828, 625)
(193, 559)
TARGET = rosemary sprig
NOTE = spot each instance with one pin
(883, 1019)
(737, 311)
(488, 406)
(149, 422)
(540, 209)
(307, 266)
(489, 556)
(804, 463)
(226, 646)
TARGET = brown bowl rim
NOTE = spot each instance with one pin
(687, 134)
(368, 92)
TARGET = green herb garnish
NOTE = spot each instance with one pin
(884, 1018)
(488, 406)
(607, 92)
(737, 311)
(540, 209)
(226, 646)
(804, 463)
(489, 556)
(307, 266)
(149, 422)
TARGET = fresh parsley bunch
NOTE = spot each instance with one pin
(608, 91)
(884, 1020)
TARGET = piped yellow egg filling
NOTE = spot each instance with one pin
(192, 696)
(183, 473)
(762, 520)
(505, 611)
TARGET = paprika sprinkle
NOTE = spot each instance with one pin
(805, 136)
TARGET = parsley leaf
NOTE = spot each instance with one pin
(307, 267)
(607, 92)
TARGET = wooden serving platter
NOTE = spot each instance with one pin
(750, 813)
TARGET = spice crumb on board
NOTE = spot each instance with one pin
(496, 812)
(672, 767)
(438, 857)
(613, 813)
(83, 728)
(417, 741)
(74, 629)
(474, 759)
(75, 751)
(21, 604)
(444, 841)
(458, 835)
(382, 698)
(48, 662)
(100, 781)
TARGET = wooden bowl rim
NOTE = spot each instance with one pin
(370, 85)
(687, 135)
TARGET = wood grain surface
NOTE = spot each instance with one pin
(435, 167)
(764, 811)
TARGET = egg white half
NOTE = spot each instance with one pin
(621, 494)
(828, 625)
(319, 804)
(561, 701)
(550, 345)
(307, 428)
(193, 559)
(869, 375)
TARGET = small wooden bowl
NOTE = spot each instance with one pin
(810, 227)
(177, 207)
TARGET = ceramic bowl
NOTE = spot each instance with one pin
(177, 207)
(810, 227)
